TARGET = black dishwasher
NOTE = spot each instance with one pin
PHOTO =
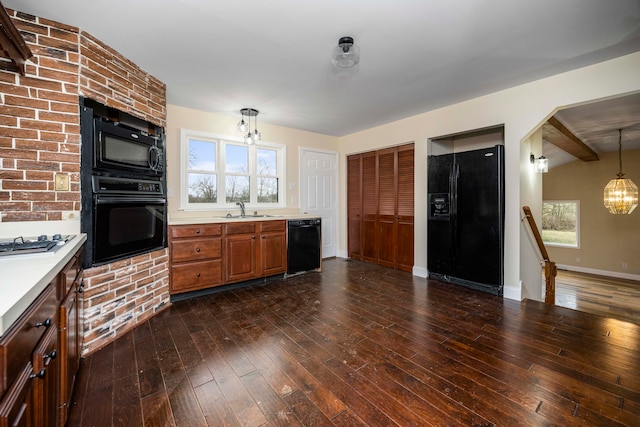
(303, 245)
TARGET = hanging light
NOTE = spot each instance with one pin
(620, 194)
(252, 136)
(242, 125)
(346, 54)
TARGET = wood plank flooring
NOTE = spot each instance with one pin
(363, 345)
(606, 296)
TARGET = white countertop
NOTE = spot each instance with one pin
(24, 277)
(221, 219)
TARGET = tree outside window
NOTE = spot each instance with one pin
(201, 175)
(560, 223)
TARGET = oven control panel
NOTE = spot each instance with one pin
(107, 185)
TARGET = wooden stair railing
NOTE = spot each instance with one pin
(550, 269)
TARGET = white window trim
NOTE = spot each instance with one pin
(221, 141)
(566, 245)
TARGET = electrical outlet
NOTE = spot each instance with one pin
(62, 182)
(624, 265)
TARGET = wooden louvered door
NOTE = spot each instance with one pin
(387, 206)
(369, 239)
(354, 206)
(380, 199)
(405, 211)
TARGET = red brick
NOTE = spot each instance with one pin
(6, 142)
(52, 206)
(23, 185)
(58, 117)
(18, 154)
(23, 216)
(61, 76)
(8, 76)
(39, 176)
(40, 125)
(5, 195)
(26, 102)
(64, 107)
(15, 206)
(33, 195)
(14, 90)
(11, 174)
(19, 133)
(40, 83)
(72, 196)
(34, 144)
(70, 98)
(61, 157)
(6, 121)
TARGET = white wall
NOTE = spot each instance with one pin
(522, 110)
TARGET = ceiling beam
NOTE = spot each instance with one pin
(564, 139)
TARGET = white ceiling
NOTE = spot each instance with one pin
(416, 55)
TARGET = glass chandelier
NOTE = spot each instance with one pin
(250, 137)
(620, 194)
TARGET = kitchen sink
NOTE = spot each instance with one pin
(249, 216)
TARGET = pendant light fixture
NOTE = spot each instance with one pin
(346, 54)
(252, 136)
(620, 194)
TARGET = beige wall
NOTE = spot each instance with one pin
(606, 240)
(521, 109)
(185, 118)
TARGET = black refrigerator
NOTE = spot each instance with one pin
(465, 225)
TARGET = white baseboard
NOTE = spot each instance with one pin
(515, 294)
(420, 272)
(599, 272)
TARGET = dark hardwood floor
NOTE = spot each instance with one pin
(361, 345)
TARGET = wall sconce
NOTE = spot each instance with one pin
(541, 163)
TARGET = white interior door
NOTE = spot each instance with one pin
(319, 193)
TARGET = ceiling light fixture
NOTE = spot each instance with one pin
(620, 194)
(250, 137)
(346, 54)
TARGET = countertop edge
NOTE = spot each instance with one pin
(12, 306)
(223, 220)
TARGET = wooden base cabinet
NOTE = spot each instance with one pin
(196, 257)
(255, 249)
(40, 354)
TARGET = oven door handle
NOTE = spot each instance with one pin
(112, 200)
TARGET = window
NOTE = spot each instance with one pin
(560, 222)
(218, 172)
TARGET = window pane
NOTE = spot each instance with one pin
(267, 162)
(560, 223)
(237, 188)
(202, 188)
(237, 159)
(202, 155)
(267, 190)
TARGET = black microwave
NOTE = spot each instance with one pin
(122, 148)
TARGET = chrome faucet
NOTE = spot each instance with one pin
(241, 204)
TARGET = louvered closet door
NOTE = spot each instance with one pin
(405, 217)
(354, 205)
(369, 208)
(387, 201)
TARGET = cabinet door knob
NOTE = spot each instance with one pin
(198, 250)
(253, 237)
(40, 374)
(46, 323)
(51, 355)
(197, 274)
(198, 231)
(264, 237)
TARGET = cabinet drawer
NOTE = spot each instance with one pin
(195, 249)
(273, 225)
(70, 274)
(240, 228)
(17, 345)
(196, 275)
(179, 231)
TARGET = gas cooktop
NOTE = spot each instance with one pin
(30, 245)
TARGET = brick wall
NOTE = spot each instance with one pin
(40, 137)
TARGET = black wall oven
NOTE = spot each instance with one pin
(124, 205)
